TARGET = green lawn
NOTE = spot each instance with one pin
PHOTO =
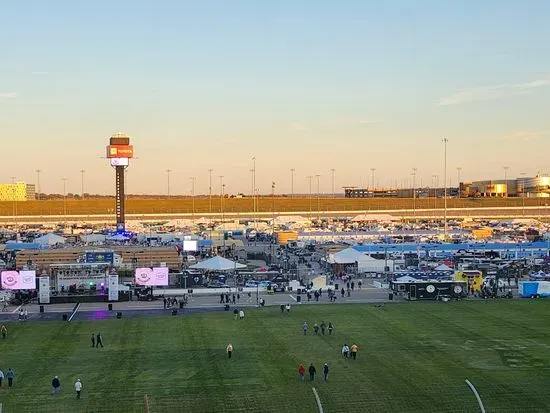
(413, 357)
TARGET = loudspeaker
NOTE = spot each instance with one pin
(64, 317)
(174, 312)
(119, 314)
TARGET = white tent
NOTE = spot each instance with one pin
(375, 218)
(346, 256)
(365, 263)
(406, 278)
(218, 263)
(50, 239)
(118, 237)
(93, 238)
(443, 267)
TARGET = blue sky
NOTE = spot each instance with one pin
(310, 85)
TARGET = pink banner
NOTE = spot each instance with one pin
(18, 280)
(152, 276)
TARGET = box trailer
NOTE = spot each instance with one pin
(534, 289)
(430, 289)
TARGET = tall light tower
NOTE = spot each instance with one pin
(119, 152)
(210, 188)
(333, 171)
(82, 171)
(310, 178)
(193, 197)
(372, 171)
(445, 140)
(414, 192)
(523, 192)
(254, 199)
(292, 182)
(65, 197)
(318, 198)
(168, 181)
(38, 184)
(506, 178)
(458, 170)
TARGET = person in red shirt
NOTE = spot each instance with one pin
(301, 372)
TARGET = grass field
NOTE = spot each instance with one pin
(265, 204)
(413, 357)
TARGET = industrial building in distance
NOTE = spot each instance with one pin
(534, 187)
(17, 191)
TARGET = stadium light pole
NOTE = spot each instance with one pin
(168, 180)
(37, 196)
(523, 192)
(254, 200)
(292, 182)
(310, 178)
(506, 178)
(210, 188)
(372, 171)
(82, 171)
(458, 170)
(193, 199)
(333, 171)
(14, 201)
(414, 191)
(272, 221)
(445, 140)
(318, 198)
(65, 198)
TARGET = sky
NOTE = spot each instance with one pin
(312, 85)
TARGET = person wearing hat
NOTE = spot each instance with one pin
(56, 385)
(78, 388)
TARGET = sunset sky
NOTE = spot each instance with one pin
(304, 84)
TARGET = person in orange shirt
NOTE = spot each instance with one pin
(301, 372)
(354, 349)
(229, 350)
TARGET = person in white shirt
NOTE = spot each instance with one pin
(1, 377)
(241, 314)
(345, 351)
(78, 388)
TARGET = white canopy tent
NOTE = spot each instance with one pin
(218, 263)
(50, 239)
(443, 267)
(375, 218)
(365, 263)
(93, 238)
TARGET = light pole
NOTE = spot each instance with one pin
(333, 171)
(310, 178)
(434, 183)
(38, 184)
(318, 198)
(65, 198)
(82, 171)
(458, 170)
(272, 253)
(292, 182)
(210, 188)
(506, 178)
(14, 205)
(168, 180)
(523, 192)
(193, 198)
(372, 171)
(445, 140)
(414, 192)
(254, 192)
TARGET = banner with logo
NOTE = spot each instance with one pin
(152, 276)
(44, 290)
(113, 287)
(18, 280)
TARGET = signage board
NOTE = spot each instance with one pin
(120, 151)
(152, 276)
(18, 280)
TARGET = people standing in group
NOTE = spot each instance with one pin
(78, 388)
(354, 349)
(229, 350)
(345, 351)
(98, 340)
(10, 375)
(301, 372)
(56, 385)
(312, 372)
(330, 328)
(4, 331)
(325, 372)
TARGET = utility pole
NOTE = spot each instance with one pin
(373, 170)
(310, 178)
(14, 204)
(210, 188)
(506, 178)
(523, 192)
(333, 171)
(414, 192)
(82, 171)
(272, 222)
(254, 192)
(38, 184)
(168, 178)
(65, 198)
(445, 140)
(318, 198)
(193, 198)
(292, 182)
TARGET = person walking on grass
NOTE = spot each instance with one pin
(98, 340)
(323, 327)
(241, 314)
(1, 377)
(229, 350)
(354, 349)
(93, 340)
(10, 375)
(325, 372)
(56, 385)
(305, 328)
(316, 328)
(301, 372)
(330, 328)
(312, 372)
(78, 388)
(4, 331)
(345, 351)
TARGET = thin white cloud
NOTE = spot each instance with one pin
(369, 122)
(482, 93)
(8, 95)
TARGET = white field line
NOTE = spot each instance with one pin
(318, 400)
(16, 310)
(291, 296)
(74, 312)
(481, 407)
